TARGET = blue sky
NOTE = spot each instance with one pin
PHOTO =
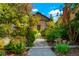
(49, 8)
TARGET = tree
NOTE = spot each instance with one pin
(27, 8)
(35, 20)
(74, 25)
(13, 18)
(50, 23)
(71, 23)
(59, 21)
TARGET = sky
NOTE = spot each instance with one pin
(48, 8)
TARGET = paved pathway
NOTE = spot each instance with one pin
(40, 48)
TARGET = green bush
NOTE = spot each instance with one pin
(31, 38)
(63, 32)
(17, 46)
(73, 28)
(62, 48)
(19, 32)
(2, 32)
(51, 34)
(57, 32)
(2, 53)
(37, 35)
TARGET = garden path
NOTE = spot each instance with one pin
(41, 48)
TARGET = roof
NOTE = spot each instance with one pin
(42, 15)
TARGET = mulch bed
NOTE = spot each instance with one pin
(73, 52)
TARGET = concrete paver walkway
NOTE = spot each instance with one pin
(40, 48)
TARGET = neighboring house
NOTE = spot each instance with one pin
(43, 19)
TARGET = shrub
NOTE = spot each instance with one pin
(73, 28)
(49, 34)
(20, 32)
(62, 48)
(36, 32)
(52, 33)
(2, 53)
(37, 35)
(30, 38)
(1, 44)
(63, 31)
(56, 32)
(2, 32)
(17, 45)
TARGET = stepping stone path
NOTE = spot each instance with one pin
(40, 48)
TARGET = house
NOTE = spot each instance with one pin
(42, 22)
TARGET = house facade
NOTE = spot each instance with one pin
(42, 22)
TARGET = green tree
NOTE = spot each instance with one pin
(13, 18)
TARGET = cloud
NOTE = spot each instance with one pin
(61, 12)
(55, 18)
(34, 10)
(54, 14)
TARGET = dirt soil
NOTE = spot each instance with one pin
(73, 52)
